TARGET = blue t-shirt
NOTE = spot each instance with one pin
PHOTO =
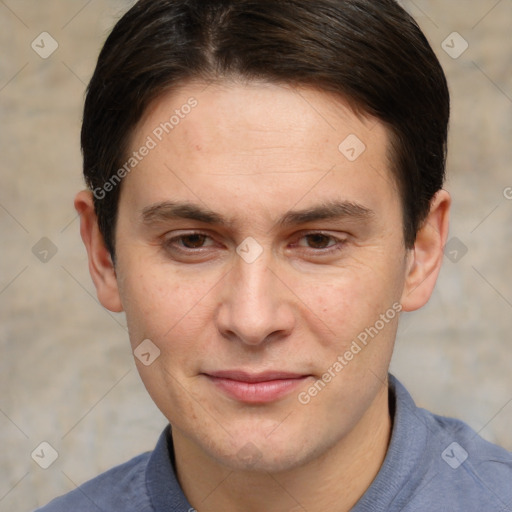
(433, 464)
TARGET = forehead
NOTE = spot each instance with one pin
(228, 142)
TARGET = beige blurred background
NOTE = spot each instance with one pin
(66, 372)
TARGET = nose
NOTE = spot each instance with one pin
(256, 306)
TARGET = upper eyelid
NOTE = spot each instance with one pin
(174, 238)
(324, 232)
(167, 236)
(298, 236)
(338, 240)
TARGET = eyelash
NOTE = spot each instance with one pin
(170, 244)
(339, 243)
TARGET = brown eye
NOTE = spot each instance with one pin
(195, 241)
(318, 241)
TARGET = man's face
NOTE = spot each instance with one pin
(252, 251)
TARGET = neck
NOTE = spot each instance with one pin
(335, 480)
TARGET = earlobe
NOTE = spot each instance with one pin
(427, 255)
(101, 266)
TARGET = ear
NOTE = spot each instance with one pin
(426, 257)
(101, 266)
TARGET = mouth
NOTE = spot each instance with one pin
(255, 388)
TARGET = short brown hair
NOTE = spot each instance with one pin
(369, 52)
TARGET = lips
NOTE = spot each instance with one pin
(255, 387)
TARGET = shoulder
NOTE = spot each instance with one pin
(441, 463)
(478, 457)
(463, 469)
(122, 488)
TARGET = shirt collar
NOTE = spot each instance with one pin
(163, 488)
(403, 465)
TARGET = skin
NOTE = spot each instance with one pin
(253, 152)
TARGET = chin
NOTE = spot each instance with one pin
(251, 459)
(266, 455)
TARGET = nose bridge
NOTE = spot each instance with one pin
(254, 304)
(253, 285)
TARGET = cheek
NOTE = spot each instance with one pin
(159, 305)
(344, 304)
(173, 313)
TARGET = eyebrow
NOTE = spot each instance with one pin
(332, 210)
(169, 210)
